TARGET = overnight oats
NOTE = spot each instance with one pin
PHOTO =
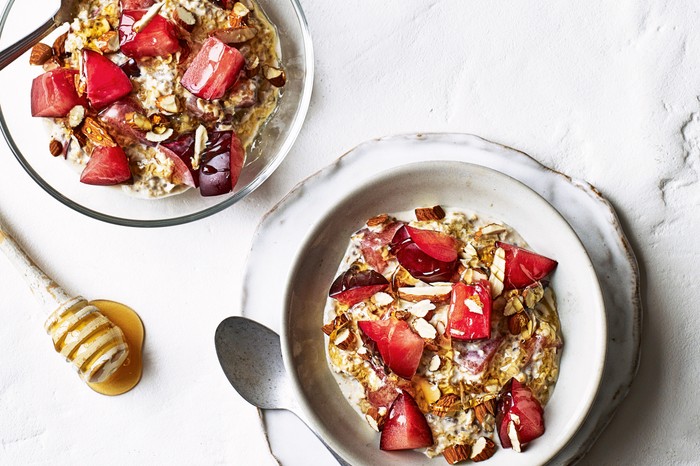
(444, 333)
(159, 97)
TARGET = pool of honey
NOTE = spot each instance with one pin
(129, 374)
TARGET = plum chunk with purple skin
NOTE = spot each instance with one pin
(355, 285)
(214, 70)
(523, 267)
(418, 261)
(158, 39)
(399, 346)
(406, 427)
(520, 416)
(54, 94)
(221, 163)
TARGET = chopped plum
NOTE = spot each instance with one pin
(419, 263)
(437, 245)
(355, 285)
(523, 267)
(373, 242)
(107, 166)
(183, 147)
(520, 417)
(157, 39)
(221, 164)
(54, 93)
(181, 170)
(469, 317)
(400, 347)
(214, 70)
(105, 81)
(406, 427)
(114, 118)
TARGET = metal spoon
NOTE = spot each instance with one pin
(65, 14)
(251, 356)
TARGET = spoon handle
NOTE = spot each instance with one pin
(15, 50)
(48, 292)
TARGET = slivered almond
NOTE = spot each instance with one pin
(147, 17)
(434, 294)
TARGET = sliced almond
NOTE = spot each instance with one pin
(275, 76)
(421, 308)
(430, 213)
(201, 137)
(146, 19)
(41, 53)
(241, 10)
(184, 18)
(483, 449)
(434, 294)
(237, 35)
(424, 329)
(382, 299)
(168, 103)
(157, 136)
(492, 229)
(456, 453)
(473, 306)
(435, 363)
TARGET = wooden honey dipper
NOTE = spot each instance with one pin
(81, 333)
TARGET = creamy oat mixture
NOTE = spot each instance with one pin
(457, 382)
(244, 108)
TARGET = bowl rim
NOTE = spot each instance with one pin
(289, 140)
(306, 410)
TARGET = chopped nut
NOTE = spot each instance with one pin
(96, 133)
(55, 147)
(168, 103)
(147, 17)
(447, 404)
(337, 323)
(52, 64)
(344, 339)
(241, 10)
(517, 323)
(434, 294)
(483, 449)
(421, 308)
(484, 409)
(424, 329)
(275, 76)
(492, 229)
(201, 137)
(159, 134)
(513, 436)
(456, 453)
(375, 418)
(80, 85)
(108, 42)
(41, 53)
(401, 315)
(401, 278)
(377, 220)
(473, 306)
(435, 363)
(136, 120)
(235, 35)
(59, 45)
(382, 299)
(252, 66)
(430, 213)
(513, 305)
(498, 272)
(76, 116)
(184, 18)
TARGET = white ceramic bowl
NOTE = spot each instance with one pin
(459, 185)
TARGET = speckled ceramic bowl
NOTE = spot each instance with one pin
(452, 184)
(28, 137)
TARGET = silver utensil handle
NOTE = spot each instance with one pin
(15, 50)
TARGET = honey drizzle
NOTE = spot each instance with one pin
(129, 374)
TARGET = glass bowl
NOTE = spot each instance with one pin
(28, 137)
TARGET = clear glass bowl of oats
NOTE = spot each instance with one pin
(165, 141)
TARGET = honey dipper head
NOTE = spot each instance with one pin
(87, 339)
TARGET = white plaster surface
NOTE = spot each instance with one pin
(600, 90)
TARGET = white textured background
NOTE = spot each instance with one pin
(607, 91)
